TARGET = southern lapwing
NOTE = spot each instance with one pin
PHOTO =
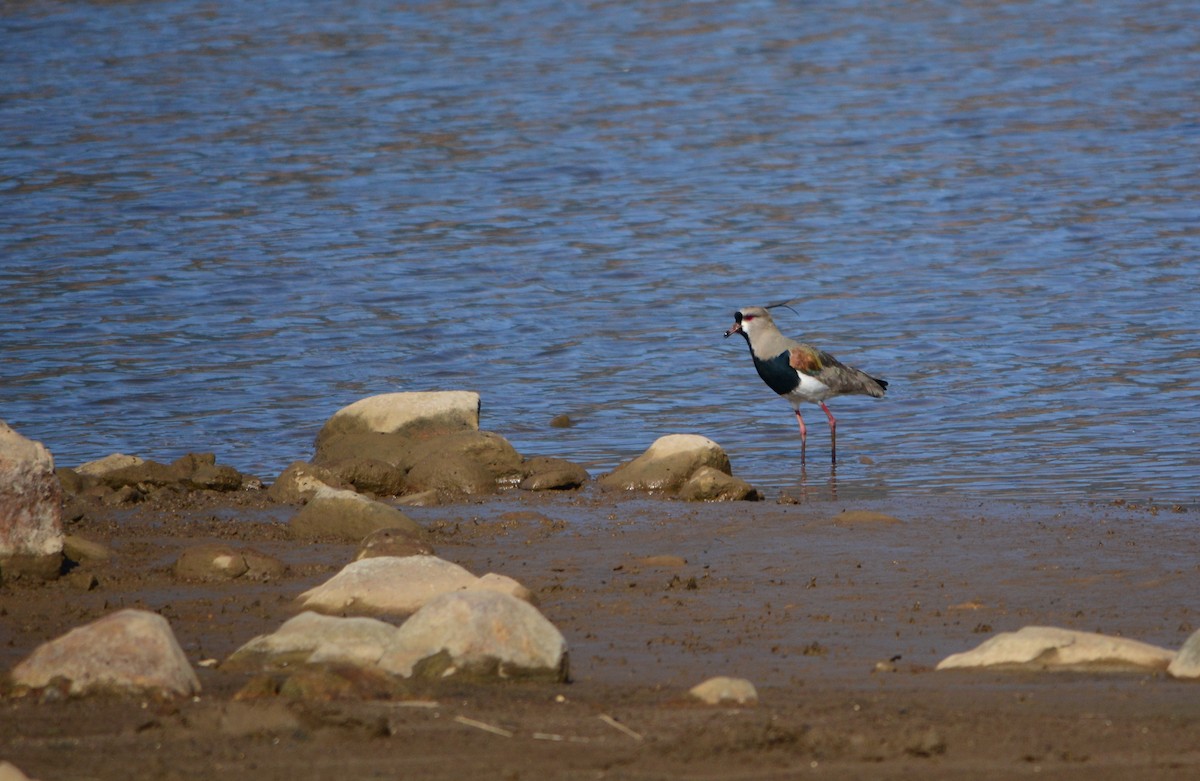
(800, 372)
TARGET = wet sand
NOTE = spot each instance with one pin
(838, 622)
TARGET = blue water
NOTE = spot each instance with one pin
(221, 222)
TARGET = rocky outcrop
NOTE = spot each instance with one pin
(31, 538)
(121, 479)
(127, 652)
(721, 689)
(671, 462)
(478, 634)
(1051, 648)
(334, 513)
(429, 444)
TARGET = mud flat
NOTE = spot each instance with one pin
(838, 619)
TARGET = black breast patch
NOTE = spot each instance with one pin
(778, 373)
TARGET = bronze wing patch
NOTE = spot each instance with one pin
(805, 360)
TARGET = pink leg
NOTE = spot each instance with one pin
(832, 433)
(803, 434)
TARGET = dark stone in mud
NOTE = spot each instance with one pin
(298, 483)
(224, 562)
(452, 473)
(194, 471)
(552, 474)
(369, 475)
(346, 515)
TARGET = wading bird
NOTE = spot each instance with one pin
(800, 372)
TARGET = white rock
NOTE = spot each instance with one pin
(109, 463)
(1043, 647)
(391, 412)
(126, 651)
(721, 689)
(387, 585)
(505, 585)
(311, 637)
(477, 629)
(10, 772)
(30, 498)
(1186, 663)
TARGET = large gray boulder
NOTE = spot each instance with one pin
(127, 652)
(31, 538)
(667, 464)
(312, 637)
(480, 634)
(1052, 648)
(346, 515)
(386, 585)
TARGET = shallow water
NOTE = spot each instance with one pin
(219, 223)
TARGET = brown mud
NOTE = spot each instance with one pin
(838, 621)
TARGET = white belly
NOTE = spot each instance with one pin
(810, 389)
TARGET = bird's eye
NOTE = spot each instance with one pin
(747, 317)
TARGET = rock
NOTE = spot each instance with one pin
(196, 471)
(1044, 648)
(386, 585)
(79, 550)
(561, 421)
(482, 634)
(452, 473)
(667, 464)
(712, 485)
(721, 689)
(317, 638)
(505, 585)
(130, 651)
(486, 448)
(298, 483)
(370, 475)
(392, 542)
(10, 772)
(31, 538)
(260, 566)
(552, 474)
(409, 415)
(210, 562)
(346, 515)
(863, 518)
(109, 463)
(1186, 663)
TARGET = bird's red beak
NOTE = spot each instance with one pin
(737, 329)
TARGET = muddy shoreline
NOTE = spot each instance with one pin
(838, 624)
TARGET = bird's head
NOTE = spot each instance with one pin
(749, 320)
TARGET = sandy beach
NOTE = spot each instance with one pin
(837, 616)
